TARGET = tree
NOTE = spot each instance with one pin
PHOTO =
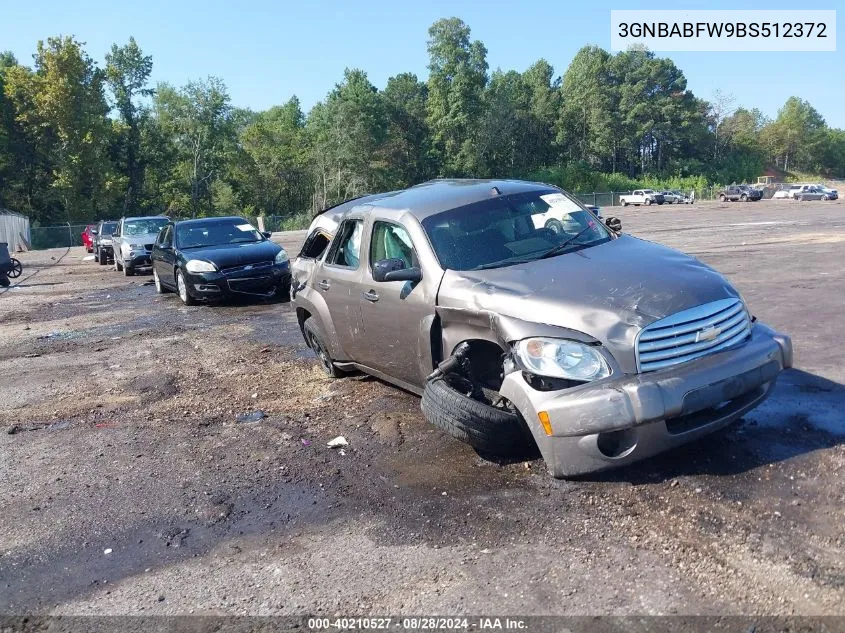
(127, 73)
(274, 174)
(197, 118)
(796, 136)
(407, 150)
(457, 76)
(346, 136)
(62, 110)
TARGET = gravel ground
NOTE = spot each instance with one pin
(128, 487)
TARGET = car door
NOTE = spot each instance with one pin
(164, 256)
(396, 314)
(338, 279)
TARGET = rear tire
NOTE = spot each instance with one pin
(486, 428)
(744, 198)
(160, 289)
(315, 341)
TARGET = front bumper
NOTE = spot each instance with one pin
(261, 282)
(617, 421)
(138, 261)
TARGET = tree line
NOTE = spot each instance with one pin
(80, 140)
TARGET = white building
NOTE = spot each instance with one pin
(12, 227)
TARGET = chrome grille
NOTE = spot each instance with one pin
(693, 333)
(256, 267)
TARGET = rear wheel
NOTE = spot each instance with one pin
(647, 201)
(315, 341)
(182, 286)
(16, 269)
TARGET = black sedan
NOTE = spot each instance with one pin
(216, 258)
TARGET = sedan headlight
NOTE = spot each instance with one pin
(136, 246)
(200, 266)
(562, 358)
(281, 257)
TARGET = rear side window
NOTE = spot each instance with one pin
(346, 247)
(315, 244)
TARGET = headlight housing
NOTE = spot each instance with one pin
(562, 358)
(200, 266)
(281, 257)
(136, 246)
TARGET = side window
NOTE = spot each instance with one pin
(315, 244)
(389, 241)
(165, 236)
(346, 247)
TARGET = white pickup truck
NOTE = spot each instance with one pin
(641, 196)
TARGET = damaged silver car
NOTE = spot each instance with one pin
(522, 318)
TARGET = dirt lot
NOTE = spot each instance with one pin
(127, 486)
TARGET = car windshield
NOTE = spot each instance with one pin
(143, 226)
(512, 229)
(216, 232)
(108, 228)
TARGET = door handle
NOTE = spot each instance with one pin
(370, 295)
(325, 285)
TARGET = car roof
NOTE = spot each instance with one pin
(436, 196)
(211, 220)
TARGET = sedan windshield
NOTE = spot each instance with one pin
(512, 229)
(216, 232)
(144, 226)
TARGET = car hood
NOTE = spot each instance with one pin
(608, 292)
(229, 255)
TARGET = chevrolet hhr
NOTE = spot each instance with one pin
(521, 318)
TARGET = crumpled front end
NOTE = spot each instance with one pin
(628, 417)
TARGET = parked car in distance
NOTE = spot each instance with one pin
(810, 193)
(745, 193)
(601, 348)
(641, 196)
(103, 252)
(670, 197)
(785, 191)
(88, 237)
(828, 193)
(132, 242)
(217, 258)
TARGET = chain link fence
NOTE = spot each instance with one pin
(59, 236)
(611, 198)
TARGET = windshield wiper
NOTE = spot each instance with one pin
(560, 247)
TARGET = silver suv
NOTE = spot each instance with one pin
(133, 241)
(596, 346)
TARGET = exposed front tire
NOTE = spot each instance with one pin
(127, 271)
(486, 428)
(182, 286)
(315, 341)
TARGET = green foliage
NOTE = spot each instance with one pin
(79, 141)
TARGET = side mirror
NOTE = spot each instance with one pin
(393, 269)
(267, 234)
(614, 224)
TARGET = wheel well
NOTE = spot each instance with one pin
(301, 315)
(486, 360)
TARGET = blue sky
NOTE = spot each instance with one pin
(268, 50)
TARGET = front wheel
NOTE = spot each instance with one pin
(744, 198)
(127, 271)
(182, 286)
(160, 289)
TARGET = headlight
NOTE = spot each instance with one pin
(562, 358)
(136, 246)
(282, 257)
(199, 266)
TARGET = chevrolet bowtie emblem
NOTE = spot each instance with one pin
(707, 334)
